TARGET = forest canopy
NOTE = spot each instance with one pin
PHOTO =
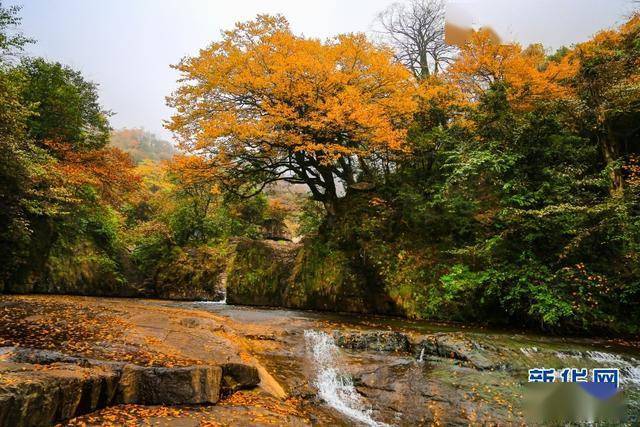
(490, 183)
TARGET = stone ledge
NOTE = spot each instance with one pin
(41, 387)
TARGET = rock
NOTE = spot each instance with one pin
(31, 396)
(236, 376)
(309, 275)
(41, 387)
(192, 274)
(460, 348)
(36, 357)
(372, 340)
(169, 386)
(260, 272)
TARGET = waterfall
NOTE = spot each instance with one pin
(223, 281)
(421, 358)
(334, 387)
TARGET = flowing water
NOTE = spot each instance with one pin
(335, 387)
(378, 388)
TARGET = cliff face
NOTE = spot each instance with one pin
(193, 273)
(309, 275)
(314, 275)
(85, 270)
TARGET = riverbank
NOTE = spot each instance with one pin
(314, 368)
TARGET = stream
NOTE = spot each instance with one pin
(383, 371)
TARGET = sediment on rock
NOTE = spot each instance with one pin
(373, 340)
(479, 356)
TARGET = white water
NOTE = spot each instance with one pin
(334, 387)
(421, 358)
(529, 351)
(606, 358)
(222, 301)
(223, 279)
(629, 369)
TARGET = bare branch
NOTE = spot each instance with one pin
(416, 31)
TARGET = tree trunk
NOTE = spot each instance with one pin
(611, 152)
(330, 207)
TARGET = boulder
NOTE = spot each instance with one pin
(191, 274)
(169, 386)
(32, 396)
(260, 272)
(41, 387)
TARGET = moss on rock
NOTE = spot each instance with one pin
(193, 273)
(259, 272)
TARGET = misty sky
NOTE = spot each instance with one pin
(127, 45)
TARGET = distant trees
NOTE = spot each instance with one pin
(142, 145)
(266, 105)
(416, 31)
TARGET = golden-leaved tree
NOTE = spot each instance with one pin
(264, 105)
(528, 75)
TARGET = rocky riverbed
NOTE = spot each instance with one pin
(96, 361)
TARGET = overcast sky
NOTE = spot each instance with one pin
(127, 45)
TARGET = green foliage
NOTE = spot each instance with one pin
(66, 106)
(312, 215)
(511, 222)
(11, 41)
(257, 275)
(57, 231)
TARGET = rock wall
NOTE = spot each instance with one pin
(193, 274)
(86, 270)
(309, 276)
(259, 272)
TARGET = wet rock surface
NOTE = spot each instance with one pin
(314, 368)
(454, 346)
(372, 340)
(444, 345)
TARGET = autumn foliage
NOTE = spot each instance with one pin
(530, 76)
(264, 105)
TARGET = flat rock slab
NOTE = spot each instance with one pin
(452, 346)
(39, 387)
(460, 347)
